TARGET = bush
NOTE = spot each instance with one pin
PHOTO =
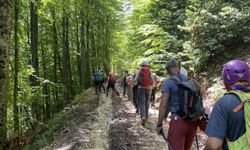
(217, 36)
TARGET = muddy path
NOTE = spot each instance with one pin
(102, 123)
(86, 125)
(126, 132)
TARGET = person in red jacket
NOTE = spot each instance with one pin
(145, 82)
(111, 84)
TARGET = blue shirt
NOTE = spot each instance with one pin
(224, 123)
(95, 76)
(169, 86)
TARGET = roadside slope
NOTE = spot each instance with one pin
(83, 126)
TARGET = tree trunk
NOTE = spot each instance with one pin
(83, 63)
(70, 81)
(87, 55)
(79, 56)
(27, 21)
(55, 58)
(67, 80)
(34, 42)
(46, 96)
(94, 52)
(106, 48)
(34, 54)
(5, 11)
(15, 94)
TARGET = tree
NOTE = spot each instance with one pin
(55, 46)
(34, 54)
(16, 66)
(34, 41)
(66, 60)
(5, 10)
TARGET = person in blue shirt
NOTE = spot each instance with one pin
(102, 78)
(225, 124)
(95, 78)
(181, 132)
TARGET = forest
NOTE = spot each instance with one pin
(50, 48)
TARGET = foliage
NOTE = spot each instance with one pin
(196, 33)
(75, 38)
(216, 35)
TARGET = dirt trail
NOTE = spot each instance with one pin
(126, 132)
(87, 127)
(101, 123)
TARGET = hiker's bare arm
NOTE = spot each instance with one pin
(203, 91)
(163, 107)
(214, 144)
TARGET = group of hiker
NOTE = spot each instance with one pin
(228, 124)
(182, 100)
(100, 78)
(141, 89)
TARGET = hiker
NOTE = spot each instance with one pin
(124, 82)
(130, 85)
(227, 123)
(111, 84)
(101, 78)
(156, 82)
(145, 83)
(95, 79)
(183, 126)
(135, 89)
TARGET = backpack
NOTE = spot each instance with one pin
(112, 80)
(191, 105)
(101, 76)
(145, 78)
(243, 142)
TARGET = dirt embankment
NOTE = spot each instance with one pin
(84, 126)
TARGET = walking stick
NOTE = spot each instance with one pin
(166, 140)
(197, 142)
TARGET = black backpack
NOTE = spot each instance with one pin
(191, 105)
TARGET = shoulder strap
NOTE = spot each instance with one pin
(196, 83)
(177, 82)
(243, 96)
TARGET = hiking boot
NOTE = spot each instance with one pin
(143, 121)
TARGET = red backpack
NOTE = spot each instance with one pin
(145, 78)
(112, 79)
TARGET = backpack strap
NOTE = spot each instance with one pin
(196, 83)
(238, 108)
(243, 96)
(177, 82)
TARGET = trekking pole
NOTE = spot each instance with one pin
(166, 140)
(197, 142)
